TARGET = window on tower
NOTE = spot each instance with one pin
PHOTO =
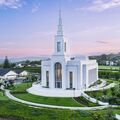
(65, 46)
(58, 46)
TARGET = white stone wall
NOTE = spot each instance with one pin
(85, 72)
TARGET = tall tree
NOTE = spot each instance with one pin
(6, 63)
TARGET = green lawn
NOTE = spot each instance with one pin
(85, 102)
(21, 88)
(19, 91)
(109, 68)
(98, 94)
(48, 100)
(2, 97)
(18, 111)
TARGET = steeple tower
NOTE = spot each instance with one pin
(60, 31)
(60, 44)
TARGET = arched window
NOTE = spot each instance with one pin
(58, 75)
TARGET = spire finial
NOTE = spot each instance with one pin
(60, 31)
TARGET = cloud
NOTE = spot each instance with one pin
(101, 5)
(102, 42)
(36, 8)
(14, 4)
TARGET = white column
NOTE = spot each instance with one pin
(64, 78)
(52, 72)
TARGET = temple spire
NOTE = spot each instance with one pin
(60, 30)
(60, 43)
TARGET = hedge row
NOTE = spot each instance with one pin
(109, 75)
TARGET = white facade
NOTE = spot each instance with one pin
(24, 73)
(63, 72)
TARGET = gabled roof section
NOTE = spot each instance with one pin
(4, 71)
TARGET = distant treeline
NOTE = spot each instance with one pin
(109, 75)
(101, 59)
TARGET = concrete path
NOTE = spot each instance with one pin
(10, 96)
(101, 88)
(117, 116)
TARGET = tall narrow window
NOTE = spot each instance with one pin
(47, 78)
(58, 46)
(65, 46)
(71, 79)
(58, 75)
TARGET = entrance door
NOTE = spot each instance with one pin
(58, 75)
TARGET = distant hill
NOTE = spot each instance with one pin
(14, 60)
(107, 57)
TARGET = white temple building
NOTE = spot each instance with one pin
(62, 74)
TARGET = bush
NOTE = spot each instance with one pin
(109, 75)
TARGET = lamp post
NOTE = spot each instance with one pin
(74, 97)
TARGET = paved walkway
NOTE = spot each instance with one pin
(101, 88)
(10, 96)
(117, 116)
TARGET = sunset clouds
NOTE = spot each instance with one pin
(28, 27)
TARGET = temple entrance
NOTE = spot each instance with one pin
(58, 75)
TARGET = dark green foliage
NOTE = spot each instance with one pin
(85, 102)
(109, 114)
(109, 75)
(97, 116)
(110, 95)
(107, 57)
(6, 63)
(30, 69)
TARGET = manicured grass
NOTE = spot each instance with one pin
(21, 88)
(98, 94)
(48, 100)
(2, 96)
(109, 68)
(109, 81)
(16, 111)
(19, 91)
(85, 102)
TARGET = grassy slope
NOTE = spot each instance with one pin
(2, 97)
(85, 102)
(20, 88)
(10, 109)
(18, 111)
(98, 94)
(109, 67)
(20, 92)
(48, 100)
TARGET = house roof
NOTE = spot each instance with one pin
(4, 71)
(18, 71)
